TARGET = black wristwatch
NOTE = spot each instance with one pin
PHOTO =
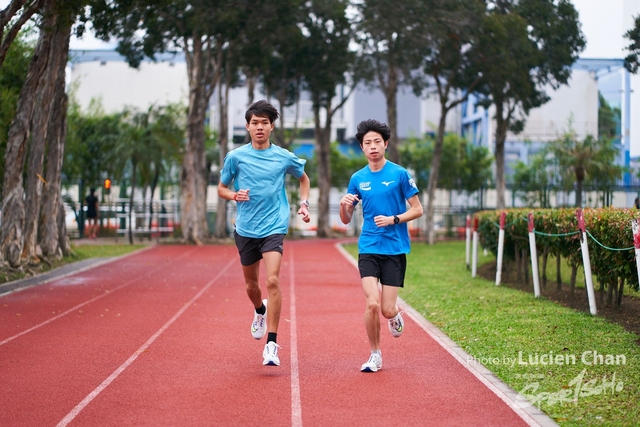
(396, 220)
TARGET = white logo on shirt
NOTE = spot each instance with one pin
(365, 186)
(387, 183)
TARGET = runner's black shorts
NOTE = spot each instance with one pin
(388, 269)
(251, 249)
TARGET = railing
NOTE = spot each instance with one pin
(155, 218)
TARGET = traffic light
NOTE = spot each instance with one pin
(107, 186)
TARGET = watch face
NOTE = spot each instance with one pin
(396, 219)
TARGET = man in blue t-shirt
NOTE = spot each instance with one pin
(384, 188)
(258, 171)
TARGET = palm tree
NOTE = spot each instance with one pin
(590, 157)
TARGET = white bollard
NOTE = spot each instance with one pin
(534, 257)
(587, 263)
(468, 240)
(474, 260)
(500, 249)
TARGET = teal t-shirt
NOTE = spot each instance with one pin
(263, 173)
(384, 192)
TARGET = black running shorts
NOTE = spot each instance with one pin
(251, 249)
(389, 269)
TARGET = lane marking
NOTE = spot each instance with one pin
(83, 404)
(296, 405)
(109, 292)
(529, 414)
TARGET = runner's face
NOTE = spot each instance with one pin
(259, 129)
(373, 145)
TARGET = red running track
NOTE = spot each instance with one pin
(161, 338)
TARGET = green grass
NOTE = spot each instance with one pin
(94, 251)
(499, 326)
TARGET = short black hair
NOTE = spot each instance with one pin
(92, 190)
(262, 108)
(372, 125)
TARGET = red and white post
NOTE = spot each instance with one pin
(534, 256)
(636, 243)
(586, 262)
(474, 260)
(468, 241)
(503, 216)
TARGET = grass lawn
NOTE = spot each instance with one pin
(93, 251)
(546, 352)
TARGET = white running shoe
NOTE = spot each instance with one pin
(270, 354)
(259, 325)
(396, 325)
(374, 364)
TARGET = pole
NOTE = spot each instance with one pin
(474, 261)
(500, 249)
(586, 262)
(468, 241)
(534, 256)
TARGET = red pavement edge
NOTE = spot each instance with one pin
(529, 413)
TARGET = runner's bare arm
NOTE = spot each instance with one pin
(346, 207)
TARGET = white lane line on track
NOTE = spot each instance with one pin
(124, 285)
(80, 406)
(296, 405)
(529, 414)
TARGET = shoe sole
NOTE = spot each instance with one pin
(271, 363)
(368, 369)
(264, 301)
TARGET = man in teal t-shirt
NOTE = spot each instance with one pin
(384, 188)
(257, 171)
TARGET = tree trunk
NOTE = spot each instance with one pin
(152, 190)
(49, 233)
(58, 52)
(323, 149)
(192, 180)
(558, 271)
(13, 214)
(578, 193)
(63, 238)
(430, 232)
(131, 201)
(8, 21)
(612, 284)
(545, 258)
(501, 136)
(223, 102)
(619, 292)
(391, 95)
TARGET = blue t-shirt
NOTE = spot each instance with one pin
(384, 192)
(263, 173)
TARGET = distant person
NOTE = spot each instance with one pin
(384, 188)
(258, 171)
(92, 214)
(636, 203)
